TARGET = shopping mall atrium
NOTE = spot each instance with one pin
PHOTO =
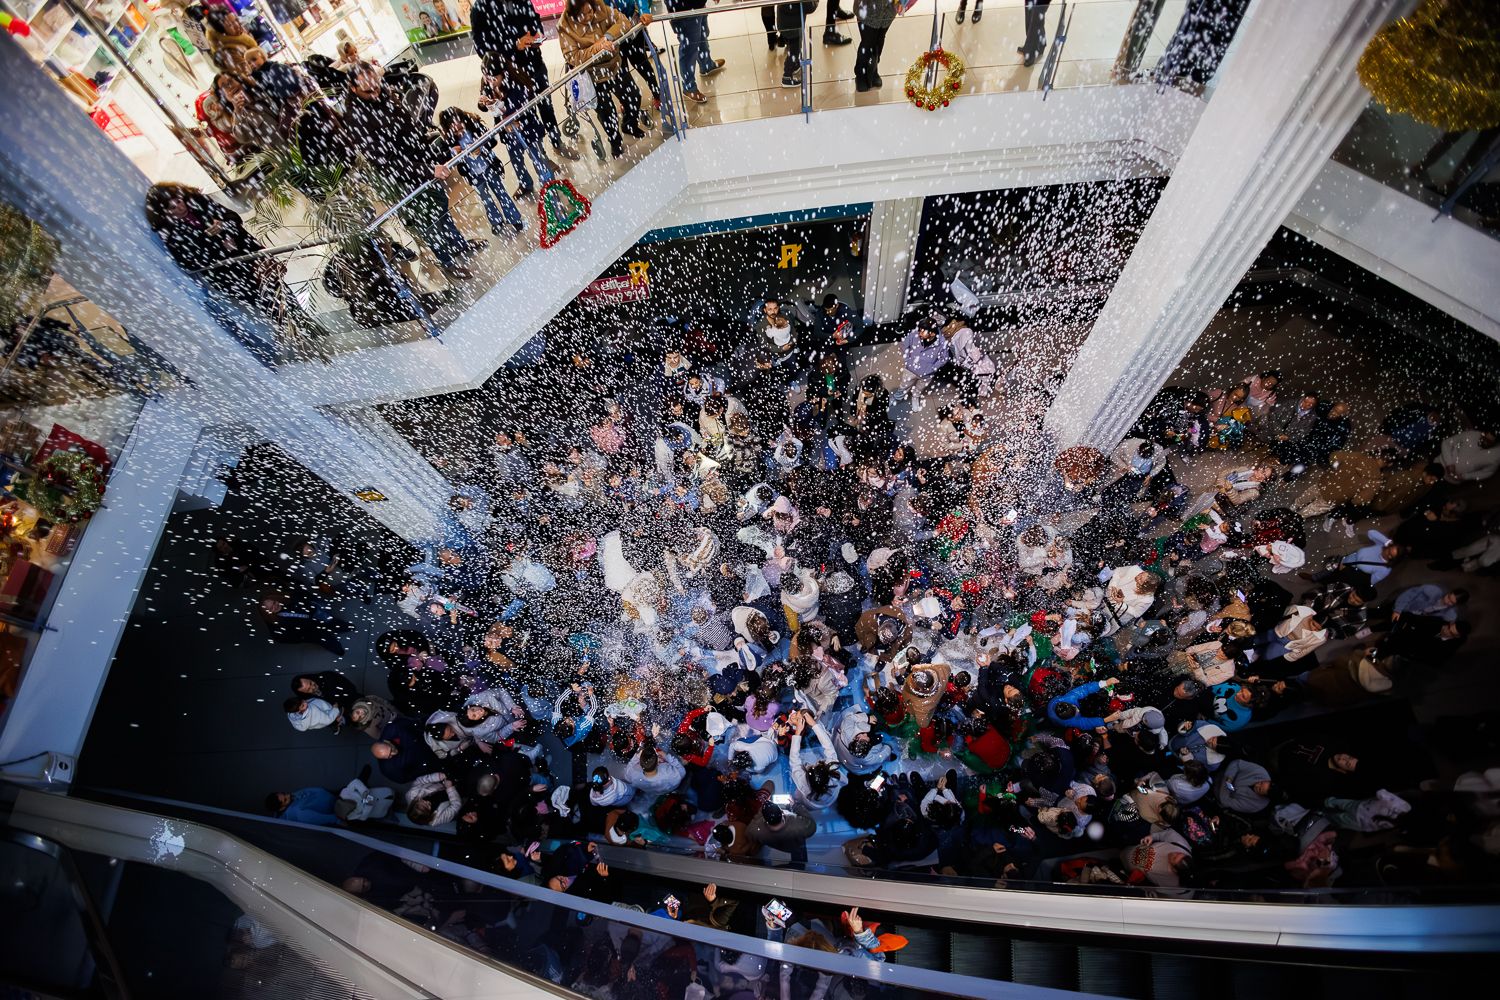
(713, 500)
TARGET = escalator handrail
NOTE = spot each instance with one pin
(1409, 927)
(911, 977)
(1402, 927)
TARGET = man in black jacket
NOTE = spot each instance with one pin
(404, 153)
(511, 31)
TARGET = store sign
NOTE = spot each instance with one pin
(370, 494)
(549, 8)
(615, 291)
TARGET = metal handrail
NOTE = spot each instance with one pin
(534, 101)
(32, 806)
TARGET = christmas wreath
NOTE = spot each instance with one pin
(68, 486)
(947, 86)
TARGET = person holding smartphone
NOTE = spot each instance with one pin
(511, 30)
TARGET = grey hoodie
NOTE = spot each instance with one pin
(1234, 791)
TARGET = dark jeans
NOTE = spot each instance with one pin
(499, 208)
(638, 55)
(790, 20)
(867, 59)
(1036, 28)
(428, 219)
(623, 87)
(536, 68)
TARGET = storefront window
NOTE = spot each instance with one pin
(72, 384)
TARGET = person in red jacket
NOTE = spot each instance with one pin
(691, 744)
(987, 748)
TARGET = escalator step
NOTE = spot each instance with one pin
(1179, 977)
(925, 948)
(1256, 980)
(1370, 984)
(1043, 963)
(982, 955)
(1114, 973)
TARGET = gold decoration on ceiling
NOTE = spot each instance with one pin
(1440, 65)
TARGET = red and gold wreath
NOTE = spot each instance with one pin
(948, 83)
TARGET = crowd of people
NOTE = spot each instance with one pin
(752, 604)
(352, 137)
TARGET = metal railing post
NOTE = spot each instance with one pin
(673, 104)
(806, 63)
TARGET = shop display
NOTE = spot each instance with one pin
(424, 20)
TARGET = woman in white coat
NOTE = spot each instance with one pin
(816, 775)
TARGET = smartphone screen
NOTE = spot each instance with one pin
(878, 783)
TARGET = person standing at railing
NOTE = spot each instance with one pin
(1036, 31)
(511, 31)
(395, 143)
(480, 168)
(634, 49)
(832, 15)
(592, 28)
(692, 47)
(875, 17)
(505, 88)
(789, 19)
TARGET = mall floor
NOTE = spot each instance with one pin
(192, 707)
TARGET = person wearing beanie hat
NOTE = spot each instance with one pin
(923, 689)
(883, 632)
(606, 790)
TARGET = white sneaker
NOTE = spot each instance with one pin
(1349, 529)
(1327, 524)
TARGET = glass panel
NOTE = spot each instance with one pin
(346, 292)
(73, 381)
(565, 939)
(750, 86)
(1426, 163)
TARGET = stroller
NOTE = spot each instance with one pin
(582, 100)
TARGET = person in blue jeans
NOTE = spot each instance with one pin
(692, 49)
(504, 88)
(480, 168)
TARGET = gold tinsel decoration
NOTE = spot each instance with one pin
(1441, 65)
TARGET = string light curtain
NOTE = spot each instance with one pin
(1440, 65)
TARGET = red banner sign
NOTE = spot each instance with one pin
(615, 291)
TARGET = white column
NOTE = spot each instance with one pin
(59, 169)
(892, 249)
(1286, 95)
(62, 682)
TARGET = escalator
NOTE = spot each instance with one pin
(1120, 943)
(1229, 945)
(418, 925)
